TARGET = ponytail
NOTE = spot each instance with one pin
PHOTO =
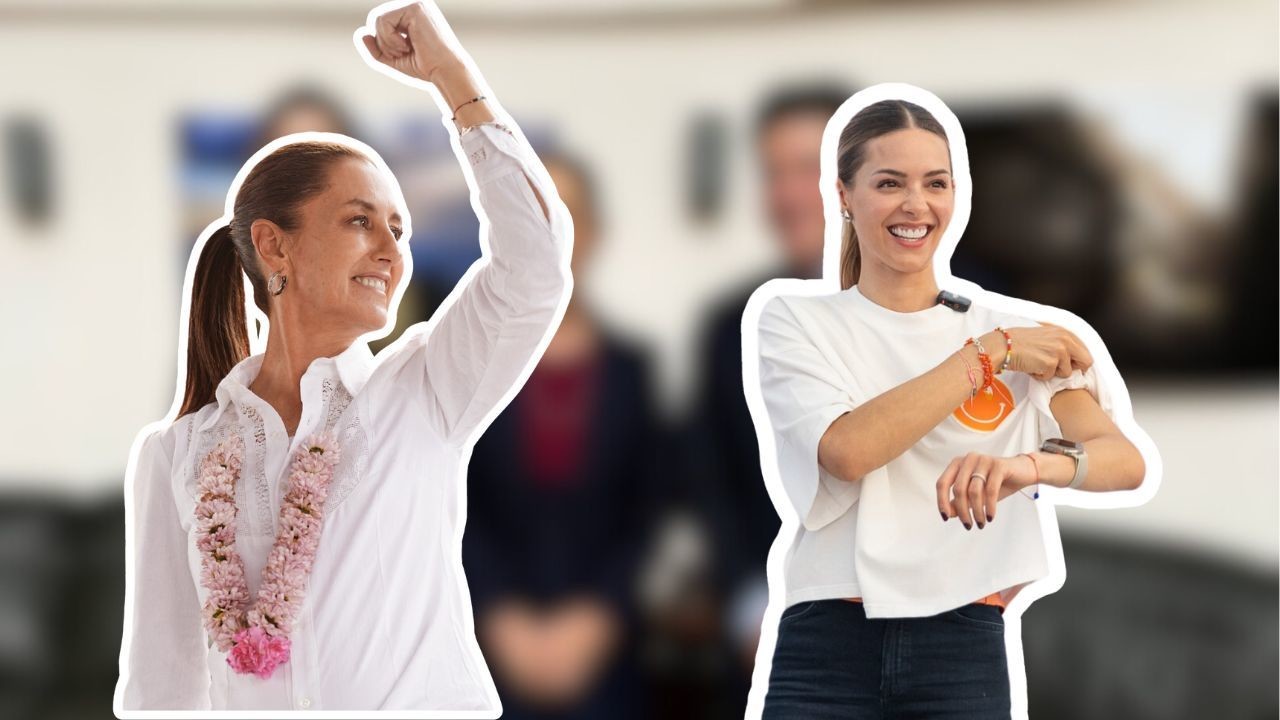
(850, 258)
(218, 335)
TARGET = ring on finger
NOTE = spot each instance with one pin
(983, 478)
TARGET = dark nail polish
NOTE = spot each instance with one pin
(989, 518)
(944, 516)
(968, 527)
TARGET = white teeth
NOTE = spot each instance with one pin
(909, 233)
(375, 283)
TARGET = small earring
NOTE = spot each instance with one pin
(271, 281)
(845, 214)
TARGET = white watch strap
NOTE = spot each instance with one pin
(1082, 466)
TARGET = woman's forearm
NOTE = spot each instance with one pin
(1114, 464)
(884, 427)
(457, 85)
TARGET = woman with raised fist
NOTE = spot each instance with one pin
(294, 522)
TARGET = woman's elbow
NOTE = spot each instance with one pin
(1129, 468)
(848, 472)
(559, 284)
(1137, 468)
(554, 269)
(844, 466)
(838, 457)
(563, 278)
(534, 292)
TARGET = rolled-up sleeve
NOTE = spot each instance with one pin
(164, 654)
(803, 394)
(470, 357)
(1041, 392)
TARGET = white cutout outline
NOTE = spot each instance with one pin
(829, 284)
(561, 225)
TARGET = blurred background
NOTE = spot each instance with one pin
(1124, 156)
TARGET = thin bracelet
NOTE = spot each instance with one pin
(477, 98)
(968, 373)
(1037, 466)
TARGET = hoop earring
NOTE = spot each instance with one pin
(283, 281)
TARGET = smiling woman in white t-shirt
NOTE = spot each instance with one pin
(911, 437)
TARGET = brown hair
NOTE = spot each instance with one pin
(871, 122)
(218, 335)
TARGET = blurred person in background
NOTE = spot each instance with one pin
(560, 506)
(232, 607)
(302, 108)
(882, 413)
(788, 142)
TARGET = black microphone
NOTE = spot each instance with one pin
(959, 303)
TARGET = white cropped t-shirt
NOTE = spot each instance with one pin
(880, 537)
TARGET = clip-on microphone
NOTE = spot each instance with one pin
(959, 303)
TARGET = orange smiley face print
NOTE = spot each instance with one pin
(985, 411)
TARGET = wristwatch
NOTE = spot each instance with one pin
(1075, 450)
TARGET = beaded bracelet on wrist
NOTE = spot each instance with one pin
(1008, 350)
(988, 374)
(475, 99)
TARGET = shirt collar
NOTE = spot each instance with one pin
(352, 367)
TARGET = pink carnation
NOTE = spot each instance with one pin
(257, 652)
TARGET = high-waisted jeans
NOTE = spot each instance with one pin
(831, 661)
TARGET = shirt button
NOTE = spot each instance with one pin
(304, 703)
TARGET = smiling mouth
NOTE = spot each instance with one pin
(910, 235)
(373, 283)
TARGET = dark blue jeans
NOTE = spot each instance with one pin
(831, 662)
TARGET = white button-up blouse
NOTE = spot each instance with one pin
(386, 622)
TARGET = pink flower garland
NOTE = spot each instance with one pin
(257, 639)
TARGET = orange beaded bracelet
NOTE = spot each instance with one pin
(988, 375)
